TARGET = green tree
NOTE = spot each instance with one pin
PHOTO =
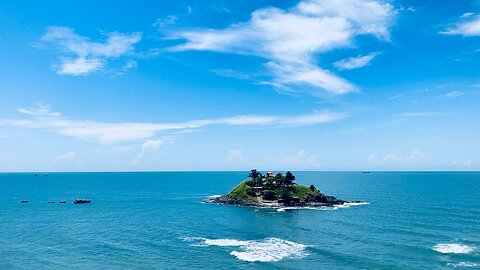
(254, 174)
(269, 195)
(279, 179)
(289, 178)
(285, 196)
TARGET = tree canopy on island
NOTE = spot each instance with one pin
(270, 180)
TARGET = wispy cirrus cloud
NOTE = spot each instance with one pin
(39, 110)
(68, 157)
(355, 62)
(454, 94)
(291, 39)
(424, 114)
(163, 23)
(468, 25)
(81, 56)
(111, 133)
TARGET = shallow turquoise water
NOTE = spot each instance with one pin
(157, 221)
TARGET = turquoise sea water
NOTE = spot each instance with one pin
(157, 221)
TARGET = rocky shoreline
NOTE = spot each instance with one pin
(330, 201)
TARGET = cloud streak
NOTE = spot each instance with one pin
(68, 157)
(469, 25)
(83, 56)
(290, 40)
(425, 114)
(355, 62)
(111, 133)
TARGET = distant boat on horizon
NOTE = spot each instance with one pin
(81, 201)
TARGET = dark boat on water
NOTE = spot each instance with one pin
(24, 201)
(63, 202)
(81, 201)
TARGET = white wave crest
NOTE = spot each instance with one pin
(463, 264)
(453, 248)
(225, 242)
(266, 250)
(324, 208)
(348, 204)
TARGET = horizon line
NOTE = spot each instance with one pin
(186, 171)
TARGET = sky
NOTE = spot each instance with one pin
(234, 85)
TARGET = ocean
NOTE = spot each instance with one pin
(157, 220)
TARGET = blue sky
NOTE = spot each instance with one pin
(234, 85)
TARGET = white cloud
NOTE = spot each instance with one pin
(163, 23)
(148, 147)
(68, 157)
(234, 155)
(301, 159)
(401, 96)
(423, 114)
(109, 133)
(454, 94)
(415, 155)
(467, 14)
(469, 25)
(395, 159)
(355, 62)
(465, 163)
(410, 8)
(291, 39)
(127, 66)
(83, 56)
(80, 66)
(40, 110)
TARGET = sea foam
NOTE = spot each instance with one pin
(463, 264)
(324, 208)
(453, 248)
(266, 250)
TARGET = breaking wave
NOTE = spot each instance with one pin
(324, 208)
(266, 250)
(453, 248)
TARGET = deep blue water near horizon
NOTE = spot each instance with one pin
(157, 221)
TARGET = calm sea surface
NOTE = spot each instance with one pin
(158, 221)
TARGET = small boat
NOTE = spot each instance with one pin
(366, 172)
(80, 201)
(51, 202)
(23, 201)
(62, 202)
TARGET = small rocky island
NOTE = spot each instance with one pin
(276, 190)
